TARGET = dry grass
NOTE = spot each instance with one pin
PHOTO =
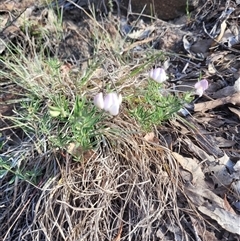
(123, 188)
(125, 185)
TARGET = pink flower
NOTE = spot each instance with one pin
(158, 74)
(201, 86)
(110, 103)
(98, 100)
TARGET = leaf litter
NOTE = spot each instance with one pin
(180, 182)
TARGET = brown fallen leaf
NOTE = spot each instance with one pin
(235, 111)
(227, 91)
(227, 220)
(219, 37)
(193, 167)
(234, 99)
(198, 195)
(205, 234)
(223, 176)
(151, 137)
(207, 150)
(7, 7)
(227, 206)
(222, 142)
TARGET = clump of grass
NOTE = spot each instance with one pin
(51, 108)
(7, 166)
(60, 107)
(120, 180)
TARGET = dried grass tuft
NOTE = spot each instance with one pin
(126, 188)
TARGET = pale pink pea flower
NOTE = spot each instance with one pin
(158, 74)
(98, 100)
(201, 86)
(110, 103)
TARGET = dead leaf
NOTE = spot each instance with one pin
(211, 68)
(203, 140)
(230, 38)
(227, 91)
(74, 149)
(223, 175)
(149, 136)
(203, 156)
(25, 16)
(219, 37)
(141, 34)
(234, 99)
(7, 7)
(193, 167)
(179, 125)
(227, 205)
(199, 195)
(237, 166)
(215, 86)
(227, 220)
(237, 85)
(222, 142)
(201, 231)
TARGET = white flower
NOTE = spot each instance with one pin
(158, 74)
(98, 100)
(201, 86)
(110, 103)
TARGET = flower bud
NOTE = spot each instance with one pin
(201, 86)
(158, 74)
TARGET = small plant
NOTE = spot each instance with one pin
(51, 108)
(154, 104)
(152, 108)
(77, 124)
(7, 166)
